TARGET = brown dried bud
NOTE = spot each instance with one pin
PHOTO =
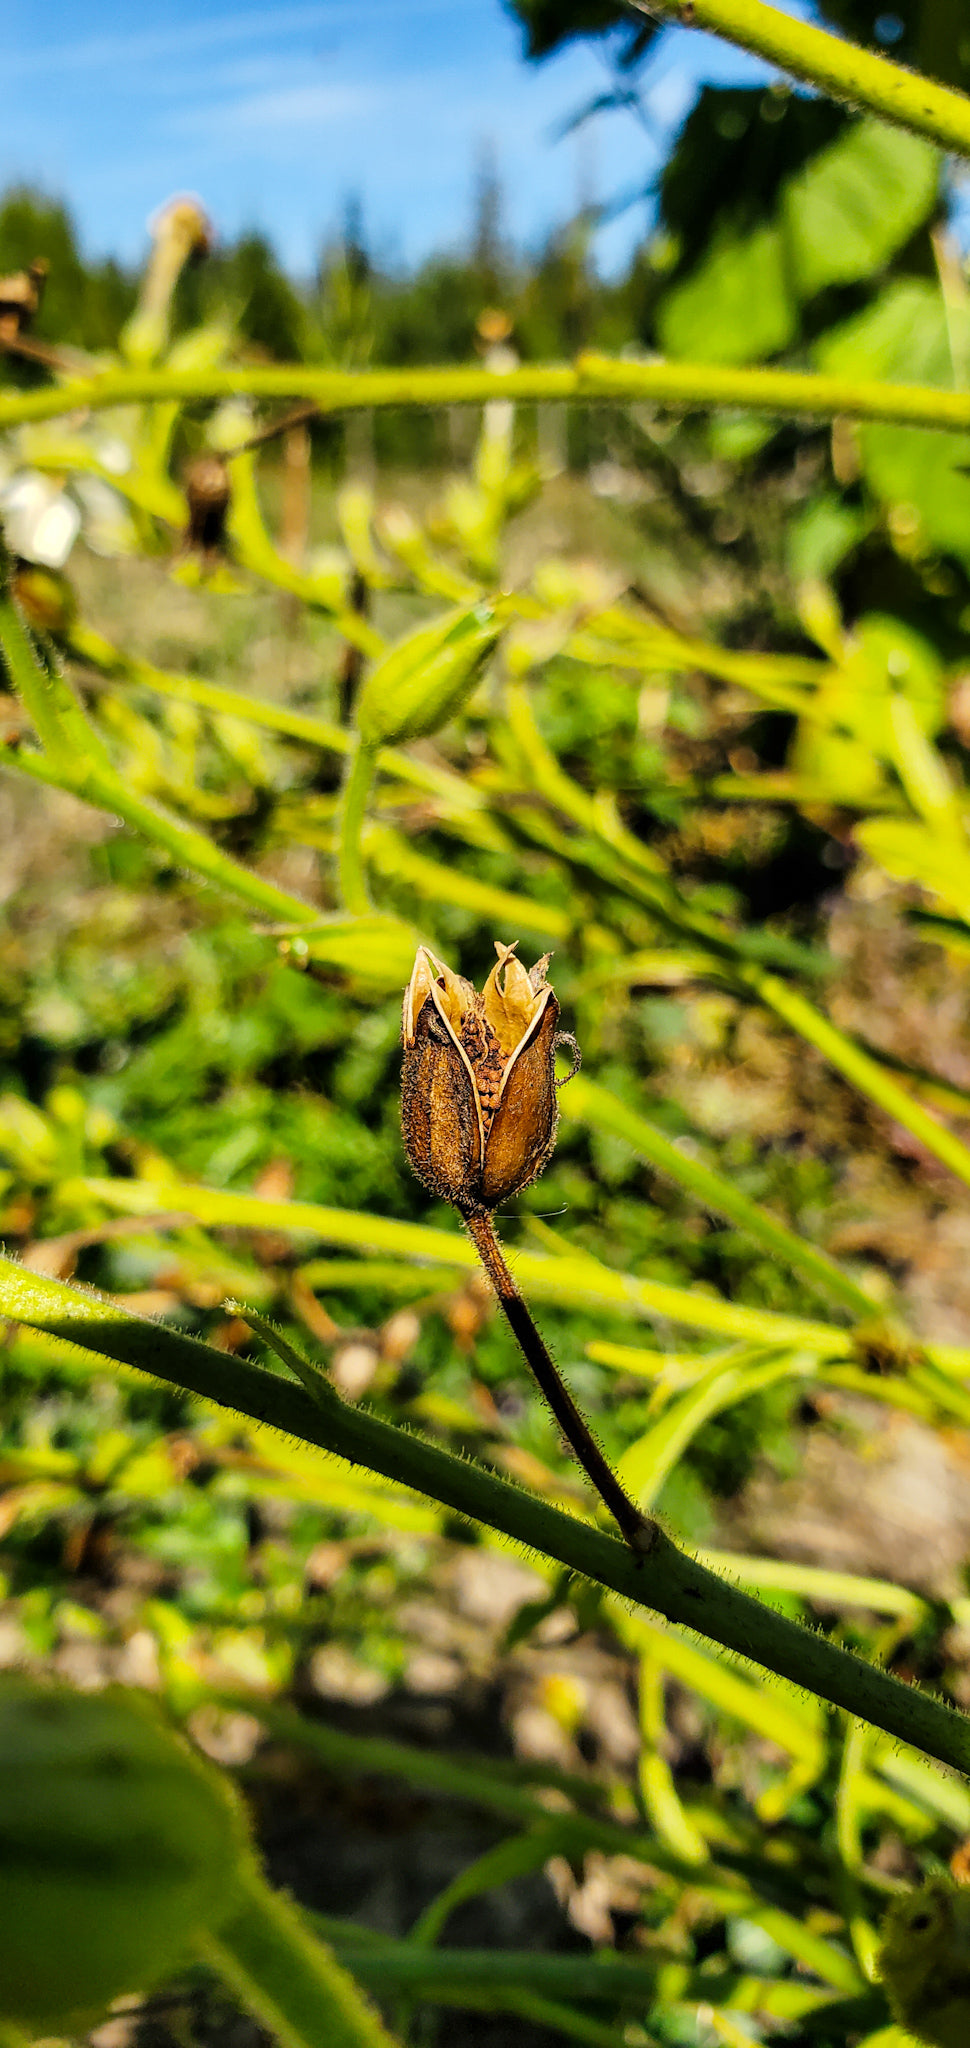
(478, 1094)
(207, 492)
(20, 297)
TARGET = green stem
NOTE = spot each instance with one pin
(664, 1580)
(858, 1067)
(595, 1106)
(445, 1976)
(835, 66)
(85, 645)
(57, 716)
(683, 387)
(193, 850)
(77, 760)
(361, 766)
(574, 1281)
(286, 1977)
(255, 551)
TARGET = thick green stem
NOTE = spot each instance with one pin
(837, 67)
(664, 1580)
(287, 1978)
(47, 697)
(682, 387)
(361, 768)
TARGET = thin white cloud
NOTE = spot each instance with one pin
(297, 106)
(146, 46)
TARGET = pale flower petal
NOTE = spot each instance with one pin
(509, 998)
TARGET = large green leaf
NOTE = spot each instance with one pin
(854, 204)
(836, 214)
(736, 305)
(916, 475)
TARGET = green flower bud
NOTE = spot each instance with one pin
(117, 1841)
(426, 678)
(925, 1962)
(46, 599)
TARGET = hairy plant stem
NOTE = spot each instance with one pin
(664, 1579)
(839, 68)
(638, 1530)
(286, 1977)
(589, 380)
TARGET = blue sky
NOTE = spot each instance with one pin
(274, 115)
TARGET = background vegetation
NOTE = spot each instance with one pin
(718, 766)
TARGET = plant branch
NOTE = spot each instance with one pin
(682, 387)
(665, 1580)
(835, 66)
(576, 1281)
(94, 652)
(287, 1977)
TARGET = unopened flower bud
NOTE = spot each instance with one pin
(426, 678)
(181, 233)
(478, 1100)
(119, 1843)
(924, 1962)
(46, 598)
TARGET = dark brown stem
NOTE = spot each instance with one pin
(352, 663)
(297, 417)
(638, 1531)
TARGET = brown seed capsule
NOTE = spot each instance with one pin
(478, 1094)
(20, 297)
(207, 493)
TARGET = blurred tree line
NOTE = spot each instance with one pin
(783, 228)
(353, 311)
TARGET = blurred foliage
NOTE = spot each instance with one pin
(673, 816)
(927, 33)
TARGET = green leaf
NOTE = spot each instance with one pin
(917, 475)
(821, 537)
(854, 204)
(375, 950)
(838, 217)
(913, 853)
(736, 305)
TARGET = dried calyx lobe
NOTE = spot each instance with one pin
(478, 1100)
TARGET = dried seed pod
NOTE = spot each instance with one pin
(478, 1103)
(207, 492)
(20, 297)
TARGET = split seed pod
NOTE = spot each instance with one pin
(478, 1095)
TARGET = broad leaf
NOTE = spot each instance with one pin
(854, 204)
